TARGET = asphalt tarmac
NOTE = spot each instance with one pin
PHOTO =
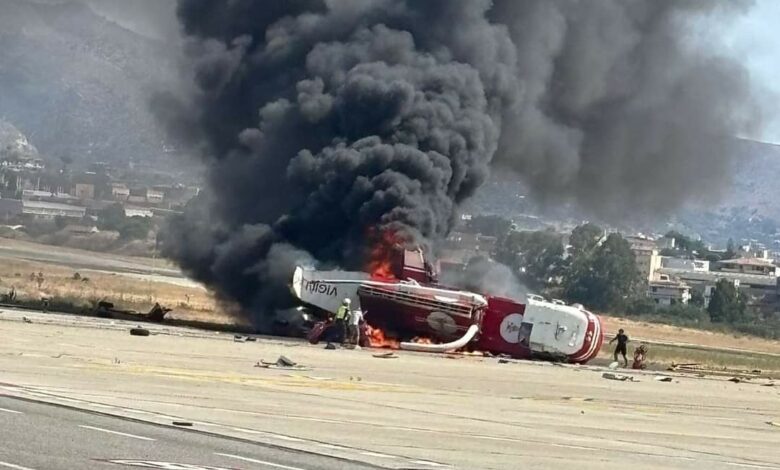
(39, 436)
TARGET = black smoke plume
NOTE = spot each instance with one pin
(322, 120)
(624, 109)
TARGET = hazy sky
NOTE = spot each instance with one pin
(755, 37)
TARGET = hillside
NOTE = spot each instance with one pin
(746, 208)
(78, 84)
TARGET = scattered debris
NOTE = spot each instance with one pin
(768, 384)
(704, 370)
(614, 365)
(773, 423)
(691, 365)
(618, 377)
(661, 378)
(282, 363)
(388, 355)
(285, 361)
(138, 331)
(330, 346)
(358, 379)
(244, 339)
(182, 423)
(504, 361)
(736, 380)
(26, 320)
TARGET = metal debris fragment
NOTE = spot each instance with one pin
(388, 355)
(282, 363)
(618, 377)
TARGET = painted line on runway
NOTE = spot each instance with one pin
(432, 464)
(261, 462)
(117, 433)
(5, 410)
(376, 454)
(748, 465)
(332, 447)
(286, 438)
(13, 467)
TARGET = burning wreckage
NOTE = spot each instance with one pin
(406, 308)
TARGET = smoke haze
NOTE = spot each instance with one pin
(320, 120)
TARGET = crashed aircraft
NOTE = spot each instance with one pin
(406, 308)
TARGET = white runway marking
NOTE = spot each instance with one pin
(261, 462)
(13, 467)
(117, 433)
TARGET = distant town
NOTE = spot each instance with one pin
(669, 275)
(97, 207)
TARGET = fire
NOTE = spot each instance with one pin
(383, 244)
(472, 353)
(378, 339)
(421, 340)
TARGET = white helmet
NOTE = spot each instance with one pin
(347, 301)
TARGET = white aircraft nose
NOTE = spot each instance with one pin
(297, 283)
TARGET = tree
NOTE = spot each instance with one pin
(535, 256)
(112, 217)
(731, 249)
(697, 298)
(605, 278)
(685, 244)
(584, 238)
(727, 304)
(129, 228)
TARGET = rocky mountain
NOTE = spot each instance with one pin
(78, 84)
(14, 145)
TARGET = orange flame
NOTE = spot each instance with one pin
(384, 245)
(421, 340)
(378, 339)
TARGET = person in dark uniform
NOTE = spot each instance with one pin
(622, 346)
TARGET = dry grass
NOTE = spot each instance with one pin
(123, 291)
(675, 334)
(661, 357)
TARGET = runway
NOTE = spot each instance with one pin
(38, 436)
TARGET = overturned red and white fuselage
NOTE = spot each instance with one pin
(454, 319)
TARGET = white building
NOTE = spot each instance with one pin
(49, 210)
(647, 259)
(137, 212)
(756, 266)
(696, 265)
(666, 292)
